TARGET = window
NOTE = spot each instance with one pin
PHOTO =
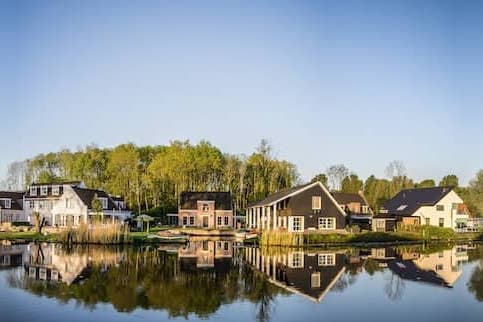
(185, 220)
(427, 221)
(297, 224)
(30, 204)
(103, 202)
(225, 247)
(365, 209)
(439, 267)
(402, 207)
(205, 245)
(326, 223)
(326, 259)
(316, 203)
(33, 191)
(43, 190)
(439, 207)
(315, 279)
(55, 190)
(218, 220)
(68, 203)
(227, 220)
(192, 220)
(441, 222)
(205, 207)
(380, 224)
(7, 203)
(297, 259)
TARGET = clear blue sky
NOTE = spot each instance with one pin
(354, 82)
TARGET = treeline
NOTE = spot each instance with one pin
(153, 176)
(378, 190)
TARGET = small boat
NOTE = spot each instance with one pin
(167, 235)
(246, 235)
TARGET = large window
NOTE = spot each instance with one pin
(380, 224)
(296, 260)
(297, 224)
(326, 259)
(439, 207)
(326, 223)
(316, 203)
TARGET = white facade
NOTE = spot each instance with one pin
(444, 213)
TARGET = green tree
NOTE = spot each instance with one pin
(475, 194)
(352, 184)
(321, 177)
(449, 180)
(428, 183)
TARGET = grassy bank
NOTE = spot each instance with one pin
(415, 235)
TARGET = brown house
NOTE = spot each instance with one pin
(352, 203)
(205, 209)
(301, 208)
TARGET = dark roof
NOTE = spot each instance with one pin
(346, 198)
(87, 195)
(72, 183)
(278, 195)
(15, 197)
(49, 192)
(189, 199)
(415, 198)
(408, 270)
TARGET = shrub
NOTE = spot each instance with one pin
(97, 233)
(281, 238)
(20, 223)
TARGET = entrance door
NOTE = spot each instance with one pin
(205, 221)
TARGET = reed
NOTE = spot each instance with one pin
(281, 238)
(96, 233)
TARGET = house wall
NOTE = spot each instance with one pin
(301, 205)
(211, 213)
(11, 215)
(78, 210)
(448, 214)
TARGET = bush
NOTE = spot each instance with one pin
(20, 223)
(281, 238)
(96, 234)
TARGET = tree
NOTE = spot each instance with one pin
(39, 221)
(396, 169)
(321, 177)
(351, 184)
(428, 183)
(335, 175)
(475, 193)
(449, 180)
(96, 205)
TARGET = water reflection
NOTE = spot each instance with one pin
(204, 275)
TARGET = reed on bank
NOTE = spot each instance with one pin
(96, 233)
(281, 238)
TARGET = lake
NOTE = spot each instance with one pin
(222, 281)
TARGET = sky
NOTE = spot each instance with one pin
(326, 82)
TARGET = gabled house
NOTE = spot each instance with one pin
(352, 203)
(11, 207)
(306, 207)
(70, 204)
(205, 209)
(437, 206)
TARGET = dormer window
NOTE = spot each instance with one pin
(316, 203)
(43, 190)
(55, 190)
(33, 191)
(6, 203)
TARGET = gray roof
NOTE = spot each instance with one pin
(87, 195)
(412, 199)
(15, 197)
(189, 199)
(278, 195)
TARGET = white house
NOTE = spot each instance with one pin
(437, 206)
(70, 203)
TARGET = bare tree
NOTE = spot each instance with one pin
(396, 169)
(39, 221)
(335, 175)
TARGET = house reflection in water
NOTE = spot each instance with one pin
(441, 268)
(206, 254)
(310, 274)
(11, 255)
(51, 262)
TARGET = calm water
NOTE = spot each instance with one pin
(217, 280)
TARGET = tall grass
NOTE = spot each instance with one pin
(96, 233)
(281, 238)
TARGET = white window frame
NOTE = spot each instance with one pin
(381, 223)
(44, 190)
(227, 221)
(7, 203)
(326, 223)
(326, 259)
(103, 202)
(296, 260)
(192, 220)
(316, 202)
(33, 191)
(56, 190)
(219, 220)
(292, 220)
(315, 280)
